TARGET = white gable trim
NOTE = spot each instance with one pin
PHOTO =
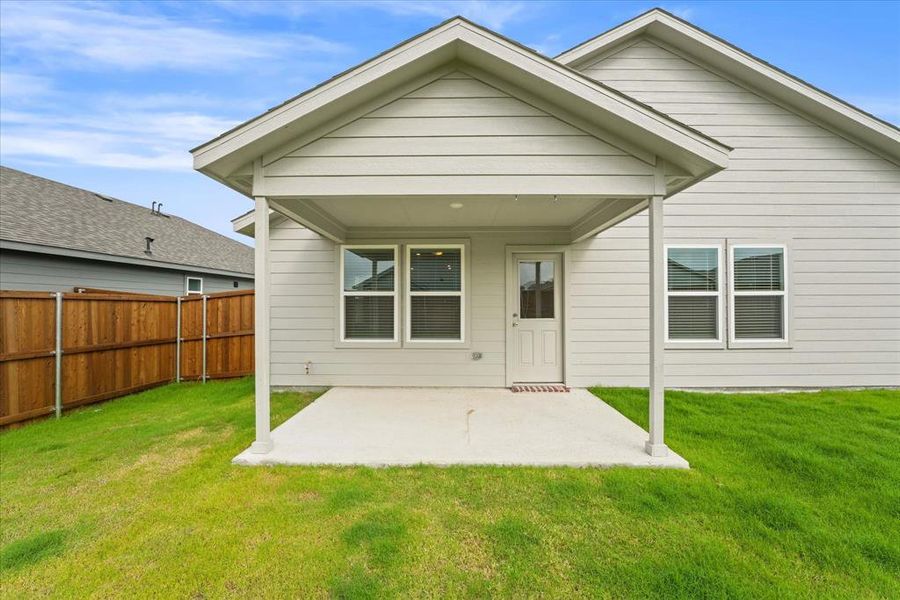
(461, 40)
(747, 69)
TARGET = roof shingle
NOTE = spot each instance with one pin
(40, 211)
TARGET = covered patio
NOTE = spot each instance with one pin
(381, 427)
(457, 143)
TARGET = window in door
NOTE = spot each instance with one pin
(537, 282)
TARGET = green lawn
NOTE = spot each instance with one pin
(794, 495)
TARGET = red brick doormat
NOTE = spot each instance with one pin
(539, 388)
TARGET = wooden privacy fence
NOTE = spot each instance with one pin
(61, 350)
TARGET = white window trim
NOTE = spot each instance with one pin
(187, 286)
(461, 294)
(344, 293)
(759, 342)
(719, 340)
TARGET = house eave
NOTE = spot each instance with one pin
(98, 256)
(750, 70)
(458, 40)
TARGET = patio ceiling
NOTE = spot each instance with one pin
(342, 218)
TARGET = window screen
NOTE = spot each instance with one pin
(693, 293)
(435, 293)
(758, 293)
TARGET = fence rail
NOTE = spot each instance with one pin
(59, 351)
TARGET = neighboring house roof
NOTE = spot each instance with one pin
(742, 66)
(227, 158)
(41, 215)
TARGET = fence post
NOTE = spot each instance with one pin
(204, 338)
(178, 341)
(58, 375)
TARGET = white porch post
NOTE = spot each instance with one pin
(655, 445)
(263, 441)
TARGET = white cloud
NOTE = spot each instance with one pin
(89, 35)
(494, 14)
(94, 149)
(23, 85)
(136, 139)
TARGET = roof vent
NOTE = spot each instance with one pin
(149, 241)
(156, 209)
(102, 197)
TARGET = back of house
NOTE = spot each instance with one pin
(454, 230)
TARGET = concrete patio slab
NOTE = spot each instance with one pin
(458, 426)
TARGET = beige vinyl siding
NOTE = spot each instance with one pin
(304, 319)
(835, 204)
(461, 135)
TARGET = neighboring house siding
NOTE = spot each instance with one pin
(834, 203)
(458, 135)
(304, 309)
(44, 272)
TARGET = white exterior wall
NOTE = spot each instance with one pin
(304, 318)
(457, 135)
(835, 204)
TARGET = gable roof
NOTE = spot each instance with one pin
(756, 73)
(39, 214)
(460, 40)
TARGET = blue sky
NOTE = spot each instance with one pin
(110, 96)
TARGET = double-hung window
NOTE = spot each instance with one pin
(435, 309)
(758, 289)
(693, 294)
(369, 302)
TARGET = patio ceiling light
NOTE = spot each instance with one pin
(456, 205)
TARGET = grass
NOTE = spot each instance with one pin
(789, 495)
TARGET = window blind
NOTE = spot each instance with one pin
(368, 293)
(435, 270)
(693, 318)
(759, 317)
(369, 317)
(693, 269)
(435, 293)
(693, 293)
(758, 269)
(759, 293)
(435, 317)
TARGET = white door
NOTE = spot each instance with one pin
(536, 323)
